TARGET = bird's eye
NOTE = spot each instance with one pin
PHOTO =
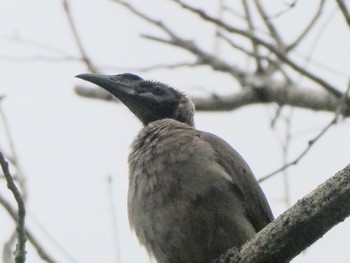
(158, 91)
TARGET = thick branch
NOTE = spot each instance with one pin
(292, 96)
(300, 226)
(264, 91)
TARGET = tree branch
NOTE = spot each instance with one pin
(21, 234)
(83, 54)
(307, 28)
(257, 90)
(280, 54)
(41, 251)
(204, 57)
(344, 11)
(340, 111)
(300, 226)
(271, 27)
(251, 27)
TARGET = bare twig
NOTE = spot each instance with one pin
(273, 63)
(336, 72)
(285, 150)
(280, 54)
(39, 58)
(175, 40)
(271, 27)
(233, 12)
(204, 57)
(242, 49)
(252, 29)
(21, 233)
(20, 178)
(39, 248)
(51, 238)
(13, 153)
(307, 28)
(216, 46)
(316, 41)
(150, 68)
(169, 66)
(61, 55)
(83, 54)
(340, 110)
(37, 44)
(261, 58)
(344, 11)
(304, 152)
(114, 217)
(289, 7)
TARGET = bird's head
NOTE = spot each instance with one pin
(148, 100)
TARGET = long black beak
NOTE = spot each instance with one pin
(124, 87)
(115, 84)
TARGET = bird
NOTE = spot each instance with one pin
(191, 196)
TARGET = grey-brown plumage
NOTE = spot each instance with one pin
(191, 196)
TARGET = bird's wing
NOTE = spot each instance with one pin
(257, 207)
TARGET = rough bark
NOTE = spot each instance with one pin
(300, 226)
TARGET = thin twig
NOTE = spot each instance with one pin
(273, 62)
(216, 46)
(241, 48)
(83, 54)
(340, 110)
(168, 66)
(37, 44)
(175, 40)
(51, 238)
(114, 217)
(252, 30)
(289, 7)
(21, 233)
(316, 42)
(13, 153)
(255, 55)
(233, 12)
(206, 58)
(321, 65)
(307, 28)
(39, 248)
(39, 58)
(345, 11)
(270, 26)
(285, 150)
(20, 177)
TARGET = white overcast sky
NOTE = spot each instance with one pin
(70, 146)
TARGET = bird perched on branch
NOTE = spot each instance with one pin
(191, 196)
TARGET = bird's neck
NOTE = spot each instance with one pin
(158, 130)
